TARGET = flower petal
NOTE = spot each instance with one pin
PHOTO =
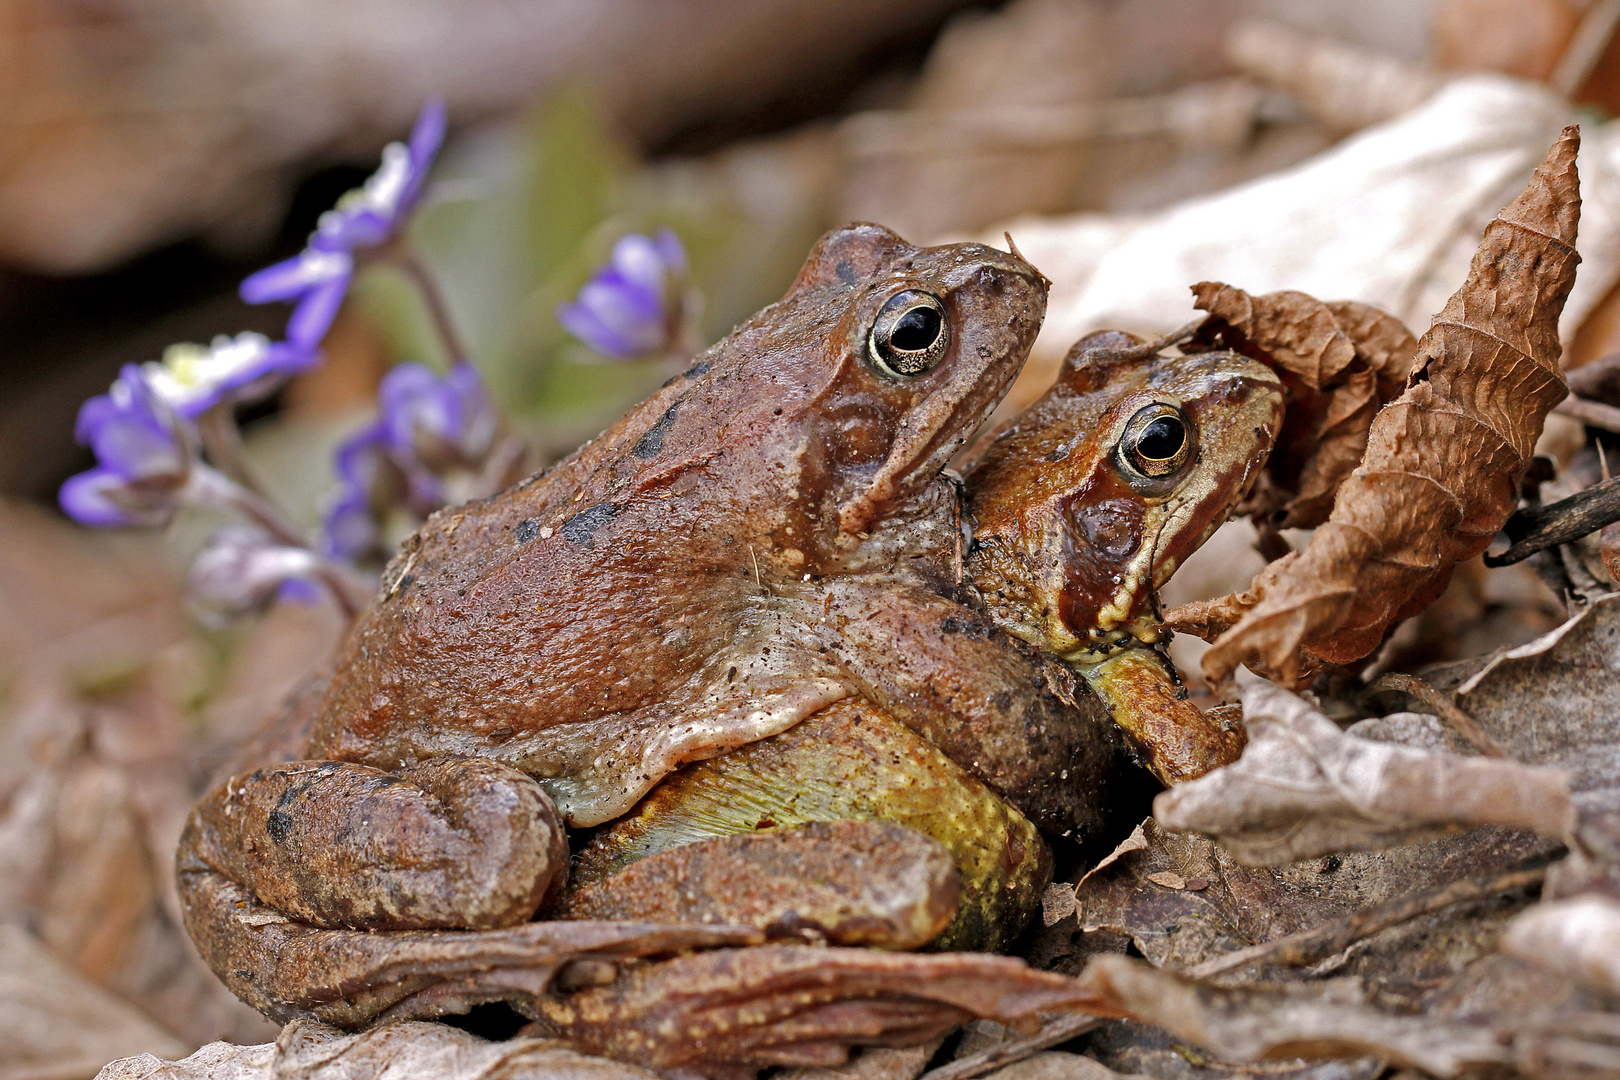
(313, 317)
(86, 498)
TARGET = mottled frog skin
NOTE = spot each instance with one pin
(543, 658)
(1078, 512)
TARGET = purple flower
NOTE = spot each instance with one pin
(433, 435)
(242, 570)
(437, 423)
(145, 455)
(637, 304)
(193, 378)
(318, 277)
(369, 483)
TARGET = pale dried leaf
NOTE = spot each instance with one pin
(872, 1063)
(1390, 216)
(1304, 787)
(1578, 937)
(1319, 1020)
(410, 1050)
(1441, 471)
(1242, 909)
(1556, 700)
(57, 1025)
(1056, 1065)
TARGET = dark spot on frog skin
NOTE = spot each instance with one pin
(845, 271)
(950, 625)
(697, 369)
(404, 583)
(651, 444)
(527, 530)
(580, 528)
(1002, 701)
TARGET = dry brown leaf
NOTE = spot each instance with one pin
(1319, 1020)
(410, 1050)
(57, 1025)
(1340, 362)
(1242, 912)
(1304, 787)
(797, 1005)
(1441, 470)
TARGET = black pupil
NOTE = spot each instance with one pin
(1162, 439)
(916, 330)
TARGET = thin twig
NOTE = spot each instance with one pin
(1534, 529)
(1051, 1034)
(1309, 946)
(1447, 710)
(1586, 47)
(1591, 413)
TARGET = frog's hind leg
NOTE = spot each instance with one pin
(843, 882)
(462, 843)
(848, 762)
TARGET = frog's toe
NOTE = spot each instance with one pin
(847, 882)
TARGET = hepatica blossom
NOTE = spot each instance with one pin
(638, 304)
(367, 217)
(434, 436)
(194, 378)
(145, 454)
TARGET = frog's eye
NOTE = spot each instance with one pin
(910, 334)
(1157, 442)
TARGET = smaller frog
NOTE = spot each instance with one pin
(1079, 512)
(1095, 496)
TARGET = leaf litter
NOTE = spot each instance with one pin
(1402, 927)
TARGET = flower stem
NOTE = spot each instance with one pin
(403, 256)
(213, 488)
(349, 593)
(222, 441)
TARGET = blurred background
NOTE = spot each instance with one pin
(155, 152)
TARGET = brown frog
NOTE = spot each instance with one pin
(1079, 512)
(548, 655)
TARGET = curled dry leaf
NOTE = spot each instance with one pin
(712, 1012)
(396, 1051)
(1441, 470)
(1318, 1020)
(350, 978)
(1340, 363)
(1304, 787)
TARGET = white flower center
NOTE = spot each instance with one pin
(188, 372)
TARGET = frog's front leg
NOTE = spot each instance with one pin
(459, 843)
(1015, 719)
